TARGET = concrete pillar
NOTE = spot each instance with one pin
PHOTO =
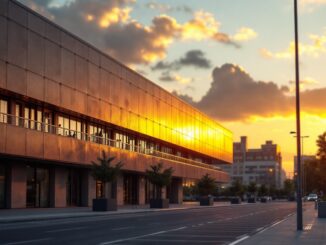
(18, 186)
(164, 192)
(176, 191)
(60, 187)
(120, 190)
(91, 189)
(88, 188)
(141, 190)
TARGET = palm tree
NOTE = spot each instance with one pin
(105, 173)
(159, 178)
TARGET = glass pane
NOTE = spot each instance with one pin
(26, 116)
(65, 126)
(60, 125)
(32, 118)
(39, 120)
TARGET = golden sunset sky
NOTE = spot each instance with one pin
(233, 60)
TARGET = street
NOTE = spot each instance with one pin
(216, 225)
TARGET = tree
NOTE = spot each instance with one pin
(237, 189)
(252, 188)
(321, 144)
(262, 190)
(159, 178)
(103, 171)
(206, 186)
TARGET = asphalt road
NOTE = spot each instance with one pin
(217, 225)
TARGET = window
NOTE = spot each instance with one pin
(29, 117)
(69, 127)
(99, 134)
(3, 111)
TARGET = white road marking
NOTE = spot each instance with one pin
(67, 229)
(29, 241)
(259, 229)
(147, 235)
(244, 237)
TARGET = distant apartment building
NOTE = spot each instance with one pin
(262, 166)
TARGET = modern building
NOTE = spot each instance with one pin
(62, 102)
(262, 166)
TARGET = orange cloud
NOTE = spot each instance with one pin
(314, 49)
(245, 34)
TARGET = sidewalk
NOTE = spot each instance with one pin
(285, 232)
(36, 214)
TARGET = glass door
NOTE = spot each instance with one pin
(130, 186)
(37, 187)
(74, 188)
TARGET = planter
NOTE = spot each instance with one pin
(322, 209)
(263, 199)
(105, 204)
(251, 200)
(206, 201)
(235, 200)
(159, 203)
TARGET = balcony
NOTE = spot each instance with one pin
(28, 138)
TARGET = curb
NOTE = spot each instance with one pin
(96, 214)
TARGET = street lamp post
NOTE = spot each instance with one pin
(297, 100)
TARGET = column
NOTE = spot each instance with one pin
(141, 190)
(17, 186)
(120, 190)
(60, 187)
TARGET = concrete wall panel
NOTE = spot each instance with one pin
(68, 42)
(3, 74)
(17, 44)
(3, 38)
(16, 140)
(51, 147)
(35, 86)
(3, 133)
(82, 50)
(16, 79)
(93, 107)
(36, 24)
(93, 152)
(53, 33)
(67, 96)
(104, 85)
(80, 102)
(36, 53)
(17, 13)
(18, 183)
(105, 111)
(68, 68)
(34, 143)
(65, 146)
(94, 80)
(60, 187)
(52, 61)
(4, 7)
(94, 56)
(81, 74)
(52, 92)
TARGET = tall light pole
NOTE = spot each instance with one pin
(297, 103)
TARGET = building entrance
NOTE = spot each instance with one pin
(130, 189)
(37, 188)
(74, 188)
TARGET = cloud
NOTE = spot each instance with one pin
(245, 34)
(234, 95)
(169, 77)
(315, 48)
(109, 26)
(311, 5)
(195, 58)
(163, 8)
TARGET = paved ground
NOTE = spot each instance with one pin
(218, 225)
(285, 232)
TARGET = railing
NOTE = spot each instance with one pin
(95, 138)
